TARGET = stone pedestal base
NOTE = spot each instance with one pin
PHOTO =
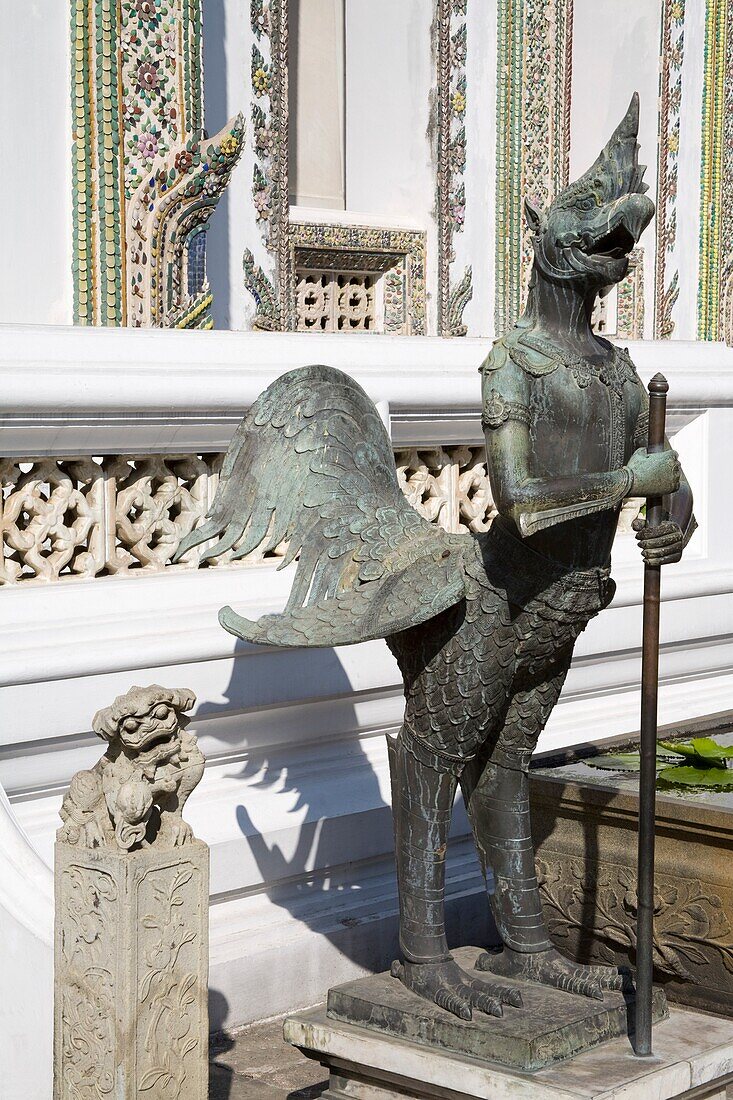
(550, 1026)
(691, 1051)
(131, 958)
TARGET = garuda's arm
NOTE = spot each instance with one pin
(664, 544)
(312, 464)
(534, 503)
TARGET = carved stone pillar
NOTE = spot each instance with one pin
(132, 888)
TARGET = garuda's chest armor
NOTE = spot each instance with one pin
(584, 414)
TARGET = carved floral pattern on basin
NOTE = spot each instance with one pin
(690, 924)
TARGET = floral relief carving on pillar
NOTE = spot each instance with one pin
(169, 998)
(86, 1015)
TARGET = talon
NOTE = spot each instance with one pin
(488, 1004)
(483, 961)
(453, 1003)
(397, 970)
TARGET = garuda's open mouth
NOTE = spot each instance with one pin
(614, 245)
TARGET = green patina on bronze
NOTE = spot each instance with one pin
(483, 626)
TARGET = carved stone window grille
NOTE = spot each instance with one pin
(125, 515)
(339, 301)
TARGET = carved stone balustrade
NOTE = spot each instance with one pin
(126, 514)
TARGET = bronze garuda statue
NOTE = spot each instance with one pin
(482, 626)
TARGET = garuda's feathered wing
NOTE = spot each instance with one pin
(312, 464)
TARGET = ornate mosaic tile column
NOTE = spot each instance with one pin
(136, 105)
(715, 296)
(452, 41)
(269, 76)
(534, 67)
(666, 289)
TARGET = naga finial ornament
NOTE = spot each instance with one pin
(483, 626)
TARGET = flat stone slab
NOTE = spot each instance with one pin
(692, 1050)
(550, 1026)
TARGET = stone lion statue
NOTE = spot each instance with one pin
(134, 795)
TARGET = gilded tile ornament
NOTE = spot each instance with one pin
(451, 102)
(715, 294)
(166, 221)
(534, 64)
(666, 289)
(136, 100)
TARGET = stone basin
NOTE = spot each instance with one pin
(584, 823)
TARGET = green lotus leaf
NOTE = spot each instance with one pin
(625, 761)
(702, 752)
(684, 776)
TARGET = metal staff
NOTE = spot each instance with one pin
(658, 388)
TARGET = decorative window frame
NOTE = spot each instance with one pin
(398, 253)
(273, 290)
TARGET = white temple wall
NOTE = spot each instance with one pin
(35, 187)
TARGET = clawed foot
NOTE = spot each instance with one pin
(553, 969)
(453, 989)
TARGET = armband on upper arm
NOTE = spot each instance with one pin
(497, 410)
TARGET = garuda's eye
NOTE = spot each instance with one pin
(161, 712)
(586, 203)
(130, 725)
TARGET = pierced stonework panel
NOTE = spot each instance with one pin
(51, 519)
(330, 301)
(448, 486)
(121, 515)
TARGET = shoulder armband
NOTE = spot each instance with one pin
(497, 410)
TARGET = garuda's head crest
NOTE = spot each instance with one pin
(591, 227)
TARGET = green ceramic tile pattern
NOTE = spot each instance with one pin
(712, 215)
(81, 165)
(109, 223)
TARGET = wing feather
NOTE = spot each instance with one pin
(312, 464)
